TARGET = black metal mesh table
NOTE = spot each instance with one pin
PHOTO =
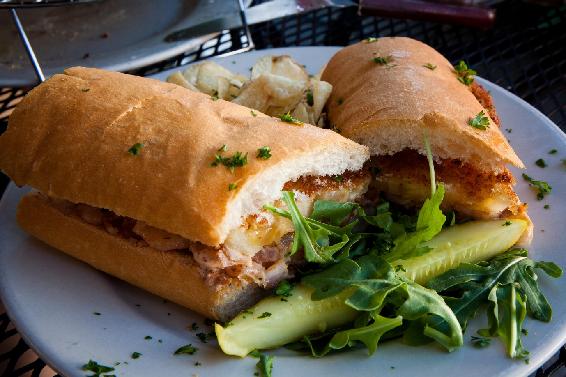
(525, 53)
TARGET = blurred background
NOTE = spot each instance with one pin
(519, 45)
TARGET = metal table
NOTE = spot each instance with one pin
(525, 53)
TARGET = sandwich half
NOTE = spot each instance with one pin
(164, 188)
(390, 94)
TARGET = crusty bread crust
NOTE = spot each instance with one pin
(170, 274)
(70, 136)
(389, 107)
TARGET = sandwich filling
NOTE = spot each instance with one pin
(256, 251)
(404, 179)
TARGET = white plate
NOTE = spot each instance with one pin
(61, 36)
(51, 297)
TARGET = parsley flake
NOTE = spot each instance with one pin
(542, 187)
(254, 114)
(188, 349)
(430, 66)
(371, 40)
(223, 148)
(340, 101)
(465, 73)
(552, 151)
(96, 313)
(509, 130)
(546, 206)
(148, 337)
(507, 223)
(135, 149)
(97, 369)
(203, 337)
(232, 186)
(264, 153)
(383, 60)
(480, 341)
(197, 364)
(85, 90)
(284, 289)
(288, 118)
(264, 315)
(136, 355)
(541, 163)
(310, 97)
(214, 96)
(480, 121)
(237, 160)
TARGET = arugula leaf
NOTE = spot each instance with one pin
(469, 286)
(319, 241)
(369, 335)
(429, 224)
(333, 213)
(265, 365)
(506, 314)
(369, 284)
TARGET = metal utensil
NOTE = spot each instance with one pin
(254, 15)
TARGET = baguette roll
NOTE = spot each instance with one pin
(170, 183)
(390, 94)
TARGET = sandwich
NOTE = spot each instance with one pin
(165, 188)
(391, 94)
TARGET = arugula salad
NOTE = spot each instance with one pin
(377, 273)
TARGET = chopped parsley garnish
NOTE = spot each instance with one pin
(525, 332)
(340, 101)
(160, 340)
(203, 337)
(288, 118)
(400, 267)
(254, 114)
(237, 160)
(214, 96)
(189, 349)
(264, 153)
(430, 66)
(541, 163)
(265, 365)
(338, 178)
(465, 73)
(552, 151)
(546, 206)
(310, 97)
(371, 40)
(265, 315)
(232, 186)
(507, 223)
(542, 187)
(509, 130)
(223, 148)
(480, 341)
(480, 121)
(135, 149)
(85, 89)
(97, 369)
(383, 60)
(136, 355)
(197, 364)
(148, 337)
(284, 289)
(96, 313)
